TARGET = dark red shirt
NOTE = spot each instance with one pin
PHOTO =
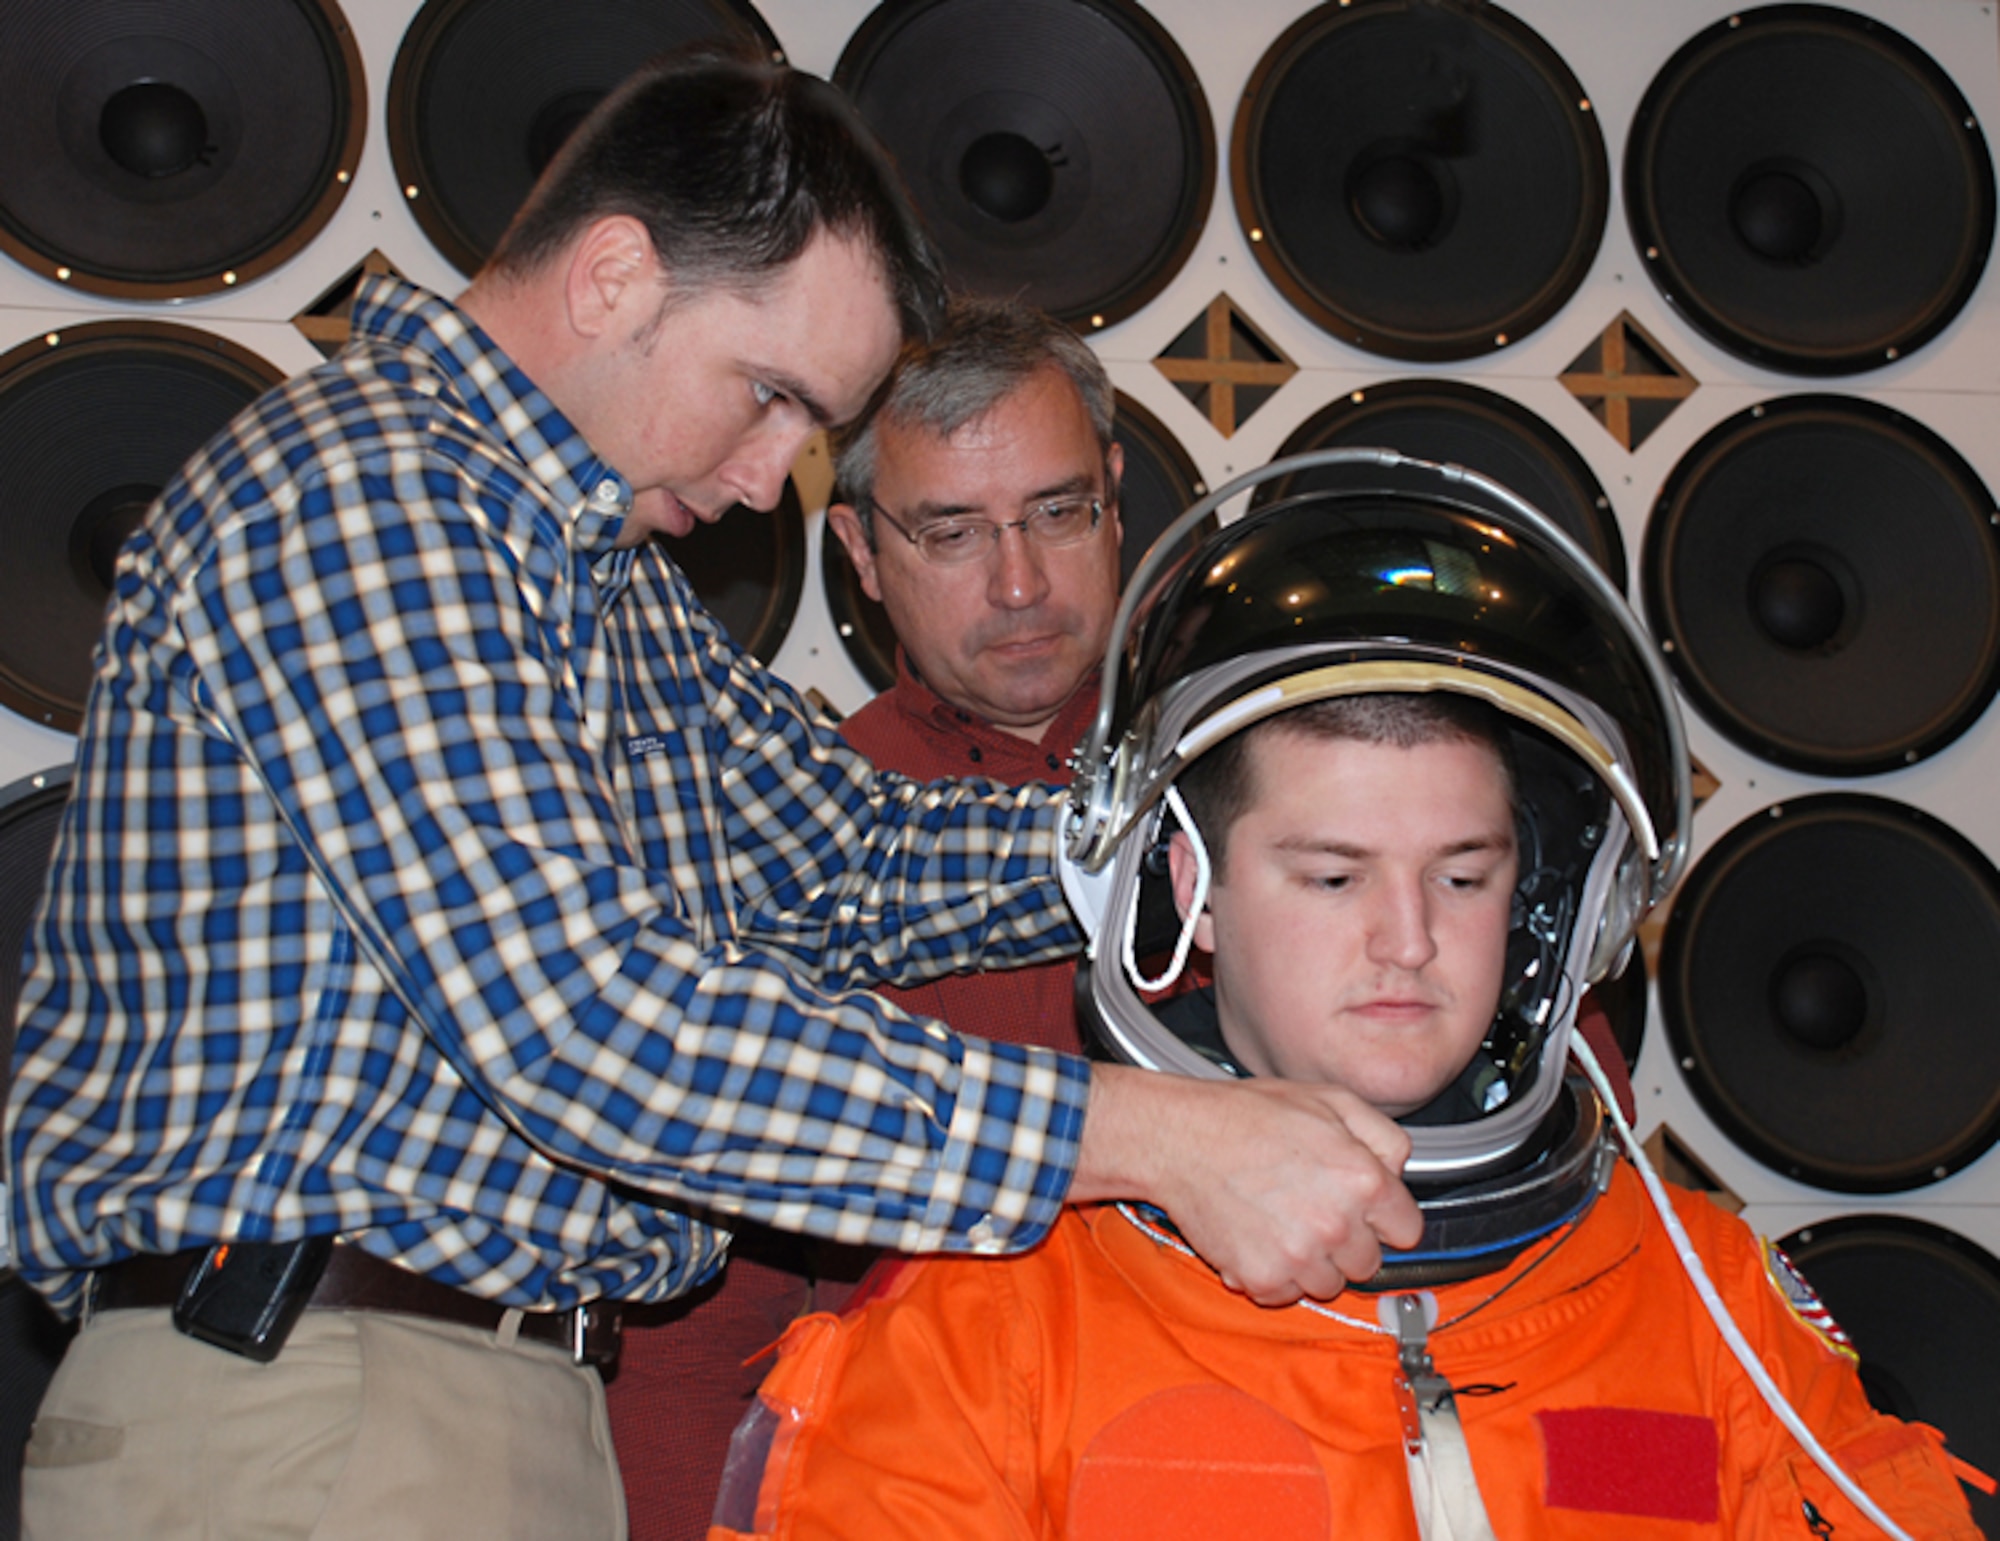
(911, 729)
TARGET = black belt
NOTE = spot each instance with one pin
(357, 1280)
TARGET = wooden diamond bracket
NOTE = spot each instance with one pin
(1628, 382)
(1225, 365)
(1705, 783)
(324, 323)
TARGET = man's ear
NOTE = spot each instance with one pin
(846, 524)
(1181, 867)
(611, 284)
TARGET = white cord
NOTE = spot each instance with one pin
(1202, 875)
(1725, 1323)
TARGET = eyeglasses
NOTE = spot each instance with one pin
(955, 542)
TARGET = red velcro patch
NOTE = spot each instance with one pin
(1621, 1460)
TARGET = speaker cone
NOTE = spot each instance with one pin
(1060, 150)
(94, 421)
(1455, 424)
(1825, 575)
(161, 148)
(1424, 181)
(1932, 1366)
(484, 93)
(1827, 979)
(1810, 189)
(749, 569)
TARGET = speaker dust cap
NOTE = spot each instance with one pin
(156, 149)
(1824, 573)
(1810, 189)
(94, 421)
(484, 93)
(1455, 424)
(1424, 181)
(1827, 979)
(1060, 151)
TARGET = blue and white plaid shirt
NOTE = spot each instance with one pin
(437, 874)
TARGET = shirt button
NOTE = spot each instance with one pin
(607, 491)
(974, 755)
(985, 1239)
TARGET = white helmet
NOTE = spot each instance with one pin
(1385, 574)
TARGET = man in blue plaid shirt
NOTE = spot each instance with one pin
(438, 877)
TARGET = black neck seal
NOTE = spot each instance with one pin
(1479, 1227)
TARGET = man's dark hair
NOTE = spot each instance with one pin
(984, 351)
(733, 164)
(1217, 787)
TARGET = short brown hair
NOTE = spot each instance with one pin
(733, 164)
(1217, 787)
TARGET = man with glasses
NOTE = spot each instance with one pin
(980, 506)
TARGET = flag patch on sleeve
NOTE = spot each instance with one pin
(1800, 1300)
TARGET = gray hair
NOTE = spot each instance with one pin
(985, 350)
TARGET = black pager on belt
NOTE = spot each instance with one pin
(245, 1296)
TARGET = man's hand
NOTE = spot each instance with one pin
(1286, 1188)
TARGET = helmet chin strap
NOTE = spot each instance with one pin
(1204, 874)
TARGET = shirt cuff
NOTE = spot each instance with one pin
(1011, 1149)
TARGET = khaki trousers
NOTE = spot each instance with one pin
(366, 1428)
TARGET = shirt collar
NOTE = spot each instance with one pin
(1060, 738)
(495, 391)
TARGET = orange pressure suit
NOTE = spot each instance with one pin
(1106, 1385)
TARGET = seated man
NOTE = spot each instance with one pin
(1418, 775)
